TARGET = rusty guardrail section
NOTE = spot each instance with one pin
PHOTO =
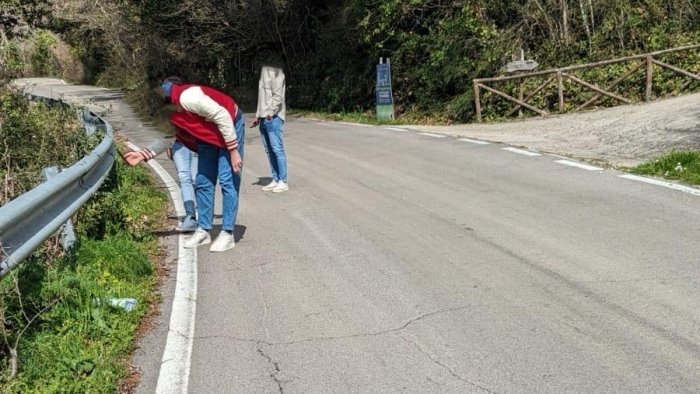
(560, 75)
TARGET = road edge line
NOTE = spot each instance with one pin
(175, 364)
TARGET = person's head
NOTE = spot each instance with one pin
(166, 87)
(271, 57)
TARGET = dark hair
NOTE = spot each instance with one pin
(173, 80)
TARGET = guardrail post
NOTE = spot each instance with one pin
(68, 237)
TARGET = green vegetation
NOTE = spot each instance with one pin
(35, 135)
(366, 117)
(59, 332)
(56, 310)
(682, 166)
(436, 48)
(330, 49)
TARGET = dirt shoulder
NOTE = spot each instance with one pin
(622, 136)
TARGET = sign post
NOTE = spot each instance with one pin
(520, 66)
(384, 97)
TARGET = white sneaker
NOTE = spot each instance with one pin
(281, 187)
(269, 186)
(224, 241)
(200, 237)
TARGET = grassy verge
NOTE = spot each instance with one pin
(370, 118)
(683, 166)
(60, 332)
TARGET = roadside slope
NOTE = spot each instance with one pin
(622, 136)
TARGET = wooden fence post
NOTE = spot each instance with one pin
(520, 95)
(650, 75)
(477, 101)
(560, 90)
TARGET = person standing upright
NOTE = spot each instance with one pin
(270, 116)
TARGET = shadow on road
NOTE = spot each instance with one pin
(262, 181)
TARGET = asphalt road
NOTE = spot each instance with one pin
(403, 262)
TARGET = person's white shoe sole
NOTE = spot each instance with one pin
(269, 187)
(191, 245)
(222, 246)
(280, 189)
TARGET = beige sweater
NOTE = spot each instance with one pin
(271, 93)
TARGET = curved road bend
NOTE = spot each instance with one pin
(405, 262)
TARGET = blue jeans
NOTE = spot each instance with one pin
(186, 166)
(271, 132)
(215, 162)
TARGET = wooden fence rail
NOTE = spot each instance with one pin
(560, 75)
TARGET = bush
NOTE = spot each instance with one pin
(34, 135)
(127, 202)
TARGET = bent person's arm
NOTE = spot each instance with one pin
(194, 100)
(154, 149)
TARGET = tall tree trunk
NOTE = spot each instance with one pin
(552, 30)
(564, 21)
(585, 25)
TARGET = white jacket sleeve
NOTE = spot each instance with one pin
(194, 100)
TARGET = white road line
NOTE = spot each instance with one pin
(351, 124)
(175, 365)
(685, 189)
(433, 135)
(477, 142)
(579, 165)
(395, 128)
(522, 152)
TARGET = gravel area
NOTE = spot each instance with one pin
(622, 136)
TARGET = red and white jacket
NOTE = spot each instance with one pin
(204, 114)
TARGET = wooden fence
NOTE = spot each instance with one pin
(559, 75)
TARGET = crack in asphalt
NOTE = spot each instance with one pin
(275, 365)
(445, 367)
(276, 369)
(341, 337)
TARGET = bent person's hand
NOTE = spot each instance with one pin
(133, 158)
(236, 161)
(254, 122)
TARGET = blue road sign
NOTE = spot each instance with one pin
(384, 96)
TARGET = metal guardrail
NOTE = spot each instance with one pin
(30, 219)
